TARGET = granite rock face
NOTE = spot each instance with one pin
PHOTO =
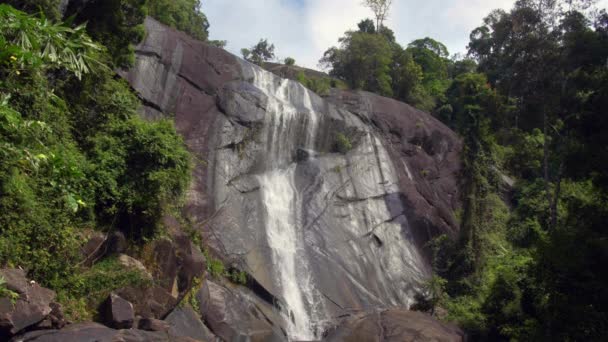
(325, 202)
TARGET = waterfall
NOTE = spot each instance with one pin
(281, 203)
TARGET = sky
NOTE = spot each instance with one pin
(304, 29)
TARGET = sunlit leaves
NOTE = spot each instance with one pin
(27, 42)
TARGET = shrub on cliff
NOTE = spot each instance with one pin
(184, 15)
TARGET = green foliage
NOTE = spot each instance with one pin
(259, 53)
(184, 15)
(144, 168)
(237, 277)
(218, 43)
(6, 293)
(48, 8)
(190, 298)
(117, 24)
(343, 143)
(525, 155)
(138, 168)
(95, 285)
(75, 154)
(531, 273)
(435, 291)
(320, 85)
(407, 76)
(44, 192)
(28, 44)
(380, 8)
(431, 56)
(215, 267)
(367, 26)
(363, 60)
(290, 61)
(372, 60)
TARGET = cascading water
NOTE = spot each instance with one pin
(280, 199)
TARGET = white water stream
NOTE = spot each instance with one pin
(280, 199)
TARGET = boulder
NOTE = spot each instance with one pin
(55, 320)
(152, 324)
(117, 313)
(166, 265)
(133, 263)
(94, 247)
(185, 322)
(98, 333)
(101, 244)
(152, 302)
(234, 317)
(32, 306)
(395, 325)
(116, 244)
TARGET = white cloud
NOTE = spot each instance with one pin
(328, 20)
(304, 29)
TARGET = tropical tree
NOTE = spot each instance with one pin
(363, 60)
(380, 8)
(259, 53)
(184, 15)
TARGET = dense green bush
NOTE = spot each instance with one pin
(74, 152)
(319, 85)
(290, 61)
(83, 292)
(49, 8)
(363, 60)
(184, 15)
(137, 167)
(343, 143)
(117, 24)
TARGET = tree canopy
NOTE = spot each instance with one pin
(259, 53)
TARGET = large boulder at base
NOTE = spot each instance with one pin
(32, 306)
(185, 322)
(395, 325)
(55, 320)
(152, 324)
(233, 316)
(94, 332)
(117, 312)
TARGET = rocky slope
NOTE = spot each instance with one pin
(324, 202)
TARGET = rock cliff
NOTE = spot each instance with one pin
(326, 203)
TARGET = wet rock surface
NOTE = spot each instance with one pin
(395, 326)
(236, 316)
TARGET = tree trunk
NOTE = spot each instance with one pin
(546, 164)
